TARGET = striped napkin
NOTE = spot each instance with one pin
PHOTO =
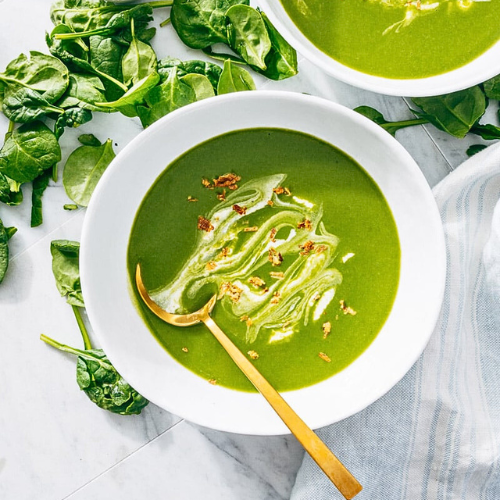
(436, 434)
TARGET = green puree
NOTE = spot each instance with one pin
(437, 37)
(165, 235)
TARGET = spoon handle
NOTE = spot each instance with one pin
(345, 482)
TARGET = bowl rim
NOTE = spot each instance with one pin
(474, 72)
(91, 281)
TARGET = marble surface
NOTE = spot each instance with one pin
(55, 444)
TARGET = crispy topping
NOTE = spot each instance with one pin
(307, 247)
(324, 357)
(277, 275)
(282, 190)
(253, 354)
(305, 224)
(276, 298)
(190, 198)
(224, 253)
(275, 257)
(270, 203)
(204, 224)
(321, 248)
(227, 180)
(251, 229)
(256, 281)
(212, 381)
(273, 234)
(247, 320)
(232, 291)
(240, 210)
(222, 196)
(210, 266)
(185, 349)
(346, 309)
(327, 328)
(317, 296)
(206, 183)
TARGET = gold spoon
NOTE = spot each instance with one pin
(345, 482)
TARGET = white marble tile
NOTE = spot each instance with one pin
(189, 462)
(52, 438)
(54, 443)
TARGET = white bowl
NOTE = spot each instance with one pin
(477, 71)
(152, 371)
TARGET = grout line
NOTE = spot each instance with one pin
(441, 152)
(67, 497)
(17, 255)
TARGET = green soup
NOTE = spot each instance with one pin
(399, 38)
(304, 255)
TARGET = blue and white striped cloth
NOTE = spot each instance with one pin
(436, 434)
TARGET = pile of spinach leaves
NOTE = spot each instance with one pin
(247, 31)
(101, 60)
(457, 114)
(95, 374)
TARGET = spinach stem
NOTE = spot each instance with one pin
(77, 352)
(11, 127)
(83, 329)
(405, 123)
(58, 345)
(111, 79)
(164, 23)
(160, 3)
(54, 172)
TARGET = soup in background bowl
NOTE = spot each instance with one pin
(413, 48)
(325, 155)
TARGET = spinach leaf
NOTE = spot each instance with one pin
(165, 98)
(488, 132)
(138, 62)
(72, 117)
(65, 266)
(474, 149)
(45, 74)
(95, 375)
(454, 113)
(201, 23)
(234, 79)
(128, 103)
(391, 127)
(492, 88)
(83, 170)
(100, 381)
(76, 56)
(106, 58)
(281, 61)
(83, 91)
(247, 35)
(210, 70)
(5, 235)
(39, 186)
(82, 15)
(89, 140)
(23, 105)
(11, 231)
(10, 192)
(200, 84)
(118, 21)
(28, 151)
